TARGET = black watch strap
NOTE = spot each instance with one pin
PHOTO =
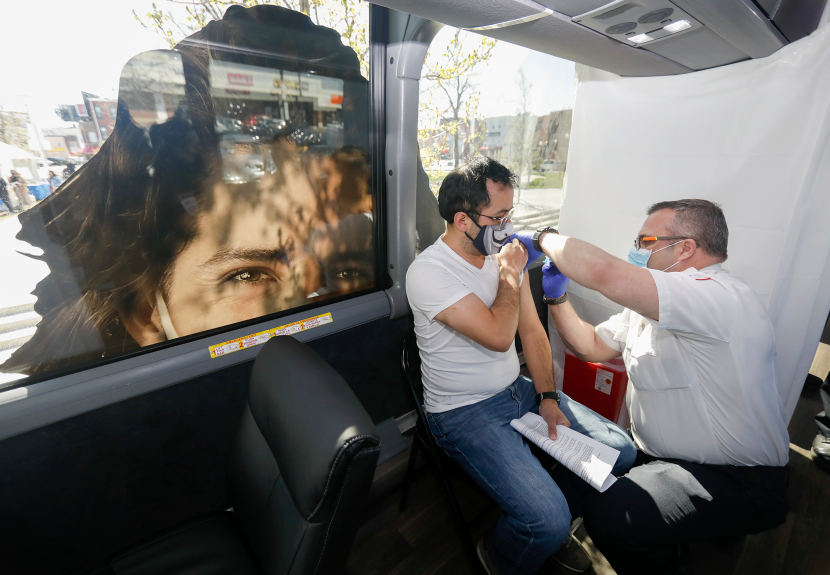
(548, 395)
(555, 300)
(538, 233)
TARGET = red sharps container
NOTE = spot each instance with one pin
(600, 386)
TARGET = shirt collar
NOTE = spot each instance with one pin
(713, 269)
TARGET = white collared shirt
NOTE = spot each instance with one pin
(703, 380)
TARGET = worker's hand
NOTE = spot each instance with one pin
(554, 282)
(553, 416)
(527, 241)
(512, 257)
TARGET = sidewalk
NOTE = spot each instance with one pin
(20, 276)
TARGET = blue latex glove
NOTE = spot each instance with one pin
(554, 283)
(527, 239)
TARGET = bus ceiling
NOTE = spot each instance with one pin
(639, 38)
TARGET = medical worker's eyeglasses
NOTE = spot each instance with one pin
(502, 221)
(648, 241)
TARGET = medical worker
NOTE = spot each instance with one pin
(703, 395)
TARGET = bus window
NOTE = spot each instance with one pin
(232, 183)
(482, 96)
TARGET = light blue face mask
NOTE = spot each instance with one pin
(640, 257)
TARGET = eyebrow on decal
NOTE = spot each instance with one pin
(227, 254)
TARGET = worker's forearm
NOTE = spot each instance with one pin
(584, 263)
(577, 335)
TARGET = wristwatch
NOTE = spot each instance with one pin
(548, 395)
(555, 300)
(538, 234)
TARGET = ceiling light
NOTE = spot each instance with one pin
(640, 38)
(678, 26)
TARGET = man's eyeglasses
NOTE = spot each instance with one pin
(648, 241)
(502, 221)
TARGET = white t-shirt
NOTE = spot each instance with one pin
(703, 380)
(456, 371)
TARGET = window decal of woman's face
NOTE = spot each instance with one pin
(235, 185)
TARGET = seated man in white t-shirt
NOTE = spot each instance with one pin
(468, 301)
(704, 397)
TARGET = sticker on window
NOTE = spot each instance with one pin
(261, 337)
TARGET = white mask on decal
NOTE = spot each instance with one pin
(166, 322)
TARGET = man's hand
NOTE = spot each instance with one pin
(512, 257)
(554, 282)
(527, 241)
(553, 416)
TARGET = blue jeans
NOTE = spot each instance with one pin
(536, 518)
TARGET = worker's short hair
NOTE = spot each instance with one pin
(465, 188)
(700, 220)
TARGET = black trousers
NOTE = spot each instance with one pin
(640, 522)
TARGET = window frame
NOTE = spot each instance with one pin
(76, 389)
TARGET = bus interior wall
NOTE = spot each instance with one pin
(93, 484)
(753, 136)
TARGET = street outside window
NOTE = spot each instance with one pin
(482, 96)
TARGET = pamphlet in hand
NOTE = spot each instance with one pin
(588, 458)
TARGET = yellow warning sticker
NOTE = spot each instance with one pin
(247, 341)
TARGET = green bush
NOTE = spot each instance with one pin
(550, 180)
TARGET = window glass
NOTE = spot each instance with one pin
(223, 179)
(480, 96)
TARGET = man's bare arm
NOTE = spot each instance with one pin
(536, 347)
(535, 344)
(579, 336)
(589, 266)
(495, 327)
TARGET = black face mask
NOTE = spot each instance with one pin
(490, 239)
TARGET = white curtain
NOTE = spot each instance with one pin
(754, 137)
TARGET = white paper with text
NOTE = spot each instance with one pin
(588, 458)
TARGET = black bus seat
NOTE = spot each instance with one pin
(299, 472)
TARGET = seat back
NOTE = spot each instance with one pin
(301, 463)
(411, 365)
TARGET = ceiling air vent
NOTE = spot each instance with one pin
(640, 22)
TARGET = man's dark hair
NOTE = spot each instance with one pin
(700, 220)
(465, 188)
